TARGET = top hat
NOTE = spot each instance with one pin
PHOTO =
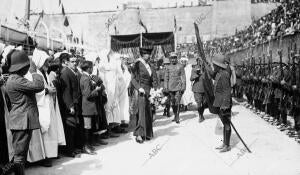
(219, 60)
(18, 60)
(144, 51)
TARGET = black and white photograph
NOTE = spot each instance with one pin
(149, 87)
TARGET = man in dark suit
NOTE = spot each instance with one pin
(175, 83)
(197, 77)
(222, 91)
(143, 79)
(24, 115)
(70, 102)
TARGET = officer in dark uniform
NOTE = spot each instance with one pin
(197, 77)
(222, 101)
(175, 84)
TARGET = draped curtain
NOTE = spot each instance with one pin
(162, 44)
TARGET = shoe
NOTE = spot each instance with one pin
(177, 121)
(139, 139)
(101, 142)
(87, 150)
(221, 146)
(201, 120)
(124, 125)
(74, 154)
(104, 136)
(225, 149)
(46, 163)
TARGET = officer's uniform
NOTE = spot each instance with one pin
(197, 77)
(175, 84)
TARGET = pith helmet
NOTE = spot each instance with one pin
(166, 61)
(18, 60)
(219, 60)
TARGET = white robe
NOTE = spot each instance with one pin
(123, 84)
(188, 95)
(109, 74)
(44, 142)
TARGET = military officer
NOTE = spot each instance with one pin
(175, 84)
(197, 77)
(222, 101)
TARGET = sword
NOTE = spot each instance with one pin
(239, 137)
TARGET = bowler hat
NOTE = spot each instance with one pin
(219, 60)
(18, 61)
(144, 50)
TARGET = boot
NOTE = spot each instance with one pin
(226, 148)
(201, 117)
(87, 148)
(19, 169)
(175, 112)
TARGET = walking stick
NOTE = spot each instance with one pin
(239, 136)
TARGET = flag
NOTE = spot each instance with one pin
(63, 10)
(141, 22)
(66, 22)
(143, 25)
(175, 24)
(207, 81)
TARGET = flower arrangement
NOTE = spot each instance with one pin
(156, 96)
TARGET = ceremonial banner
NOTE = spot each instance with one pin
(207, 82)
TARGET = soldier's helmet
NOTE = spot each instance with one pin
(173, 55)
(219, 60)
(166, 61)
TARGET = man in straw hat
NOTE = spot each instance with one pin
(175, 83)
(222, 101)
(24, 115)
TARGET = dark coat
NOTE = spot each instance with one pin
(89, 95)
(24, 113)
(142, 79)
(222, 90)
(161, 77)
(175, 78)
(197, 78)
(70, 95)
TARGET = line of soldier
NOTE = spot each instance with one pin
(272, 89)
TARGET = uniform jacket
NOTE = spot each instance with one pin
(197, 78)
(142, 79)
(222, 90)
(175, 79)
(89, 95)
(24, 112)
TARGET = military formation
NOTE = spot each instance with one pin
(272, 89)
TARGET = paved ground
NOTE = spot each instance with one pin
(188, 149)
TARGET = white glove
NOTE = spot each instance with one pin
(141, 90)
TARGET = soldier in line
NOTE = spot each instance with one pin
(175, 84)
(197, 77)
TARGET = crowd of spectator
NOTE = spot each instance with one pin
(283, 20)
